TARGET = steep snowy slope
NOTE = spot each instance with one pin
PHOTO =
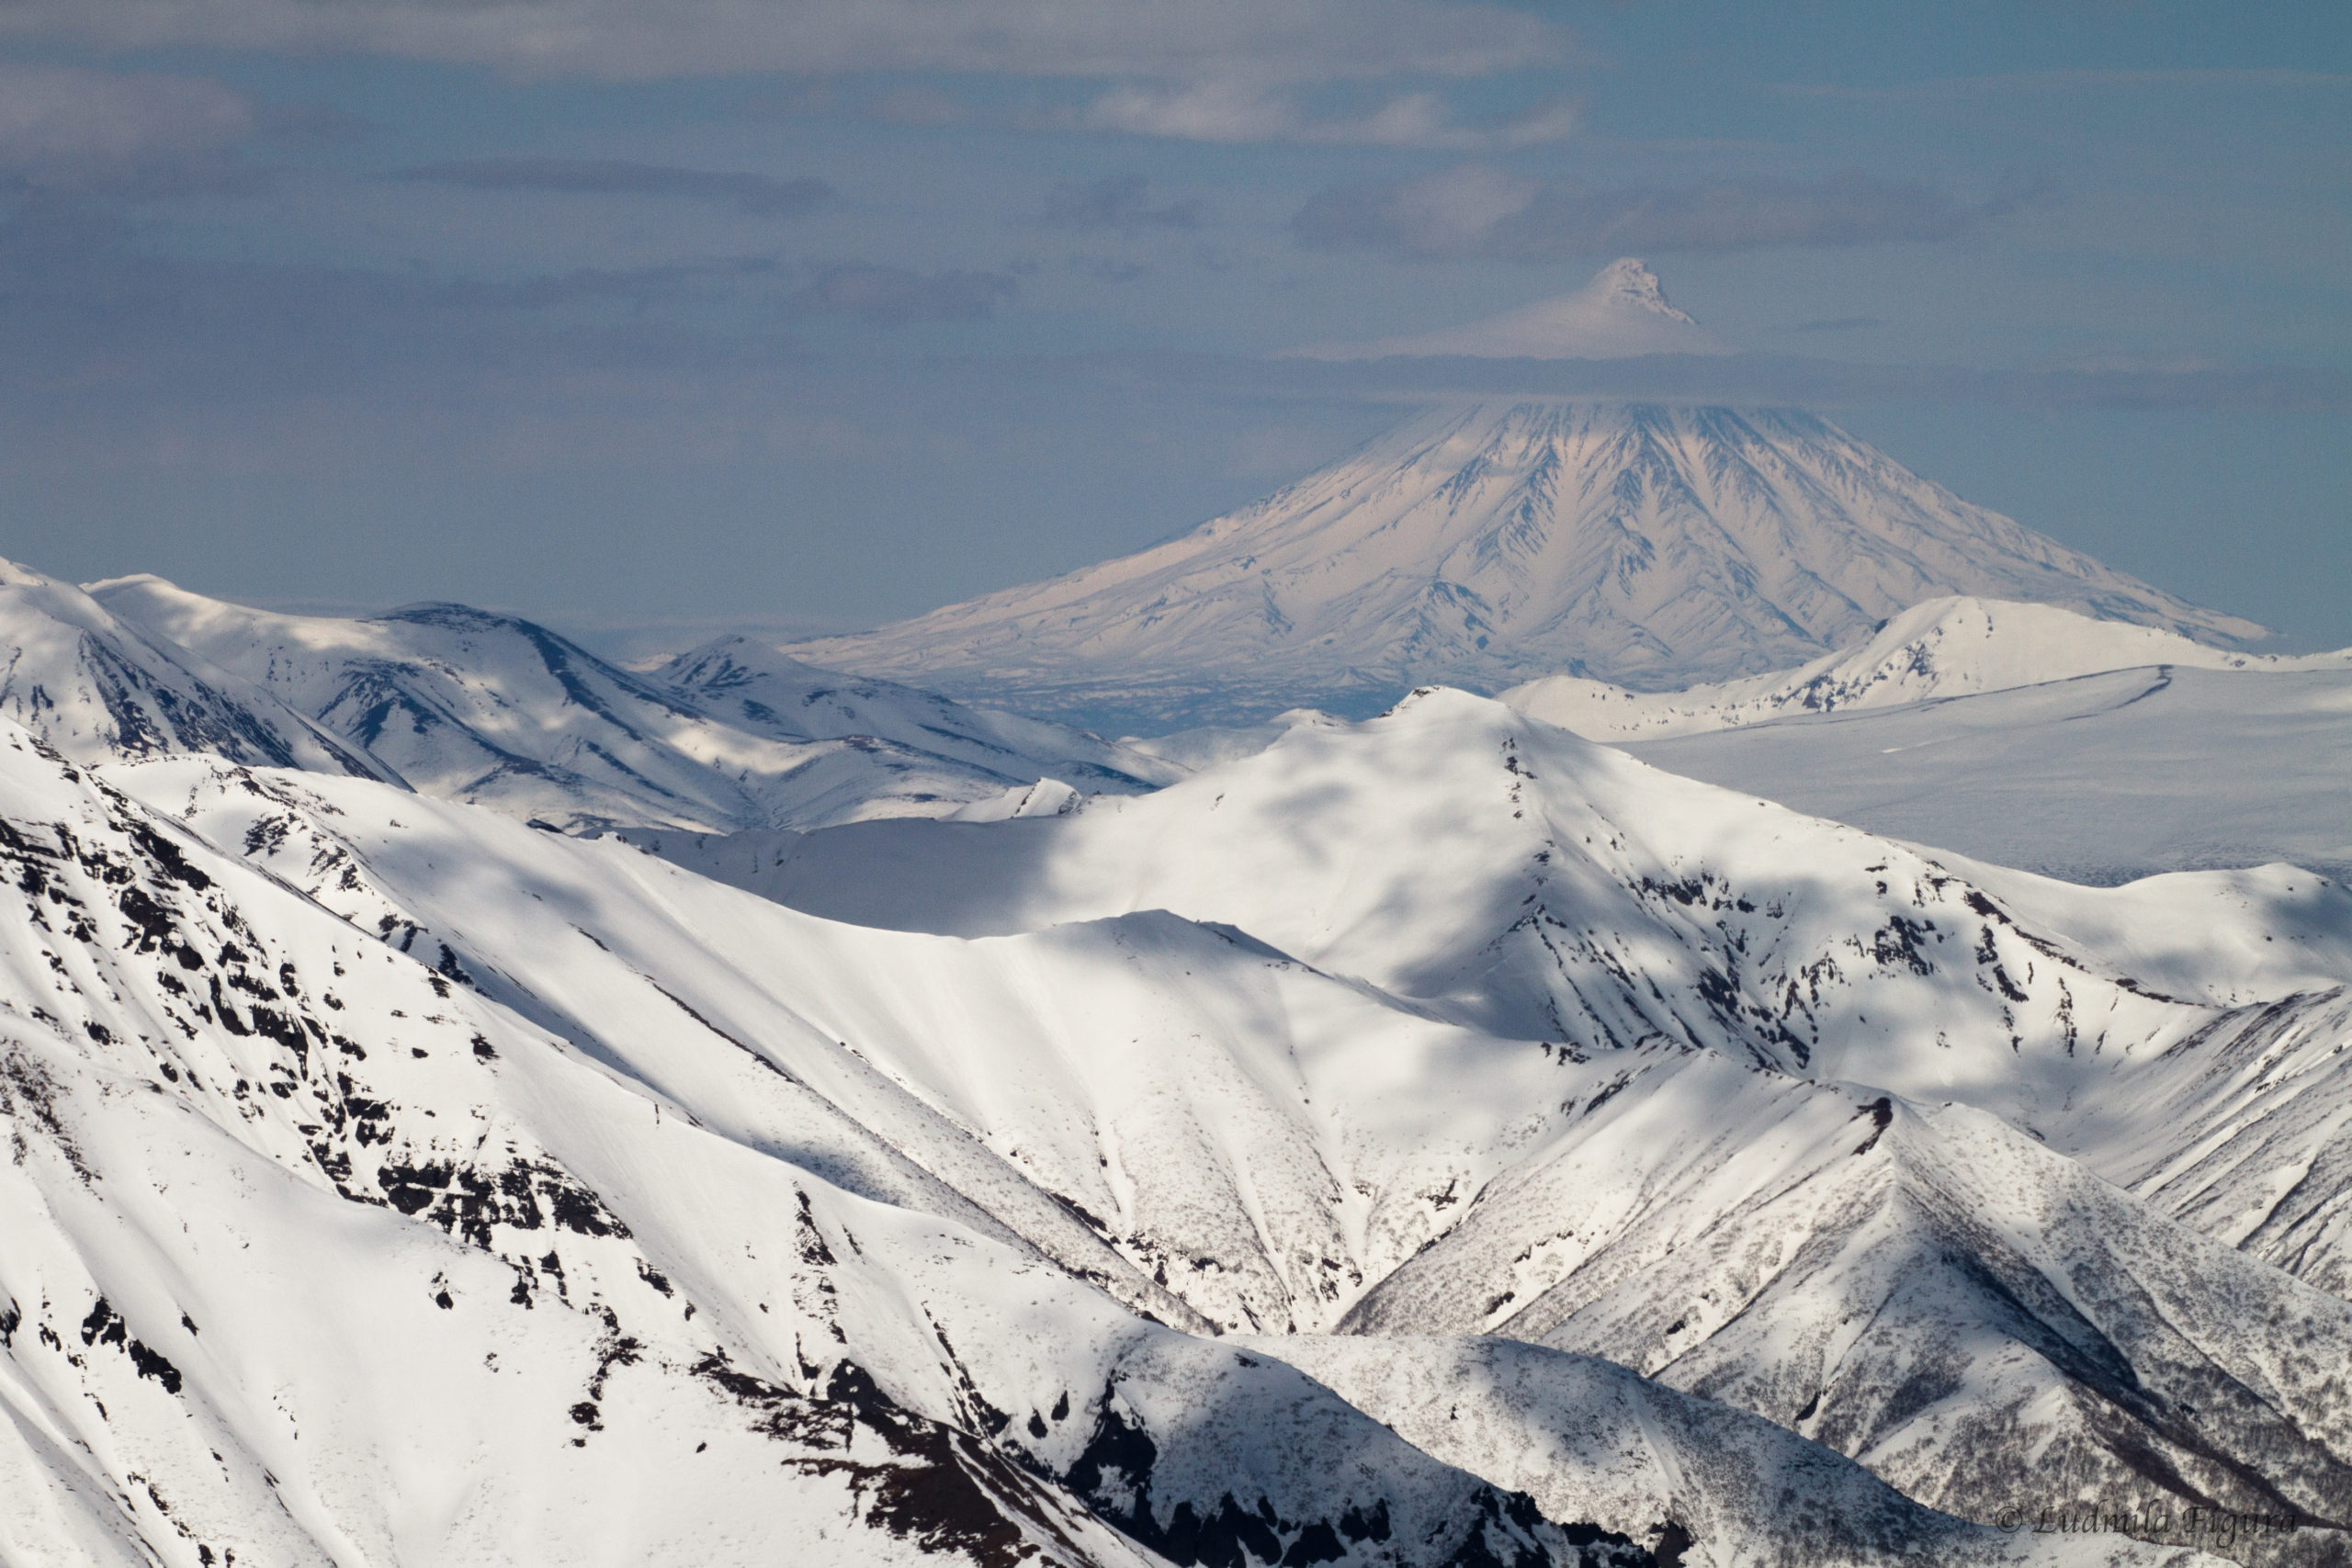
(1943, 648)
(1587, 1436)
(1489, 544)
(1178, 1113)
(1473, 862)
(96, 687)
(1968, 1314)
(495, 710)
(318, 1255)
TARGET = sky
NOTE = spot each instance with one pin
(651, 317)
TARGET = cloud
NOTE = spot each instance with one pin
(1122, 202)
(1263, 40)
(2074, 82)
(1247, 110)
(918, 103)
(63, 129)
(759, 195)
(1739, 379)
(1110, 269)
(1477, 210)
(893, 297)
(1623, 313)
(640, 287)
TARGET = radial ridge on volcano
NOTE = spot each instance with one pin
(1486, 544)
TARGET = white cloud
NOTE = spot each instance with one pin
(1206, 111)
(66, 128)
(1247, 111)
(1205, 39)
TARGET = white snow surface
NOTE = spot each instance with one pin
(318, 1255)
(98, 688)
(1955, 646)
(1785, 1076)
(1621, 313)
(492, 709)
(1488, 545)
(391, 1181)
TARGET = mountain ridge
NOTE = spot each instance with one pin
(1488, 544)
(1941, 649)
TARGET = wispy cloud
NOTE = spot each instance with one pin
(1249, 109)
(1745, 379)
(1121, 202)
(2023, 83)
(759, 195)
(1480, 211)
(640, 287)
(1271, 39)
(138, 133)
(894, 296)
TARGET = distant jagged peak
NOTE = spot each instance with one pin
(1621, 314)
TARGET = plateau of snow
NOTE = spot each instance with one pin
(2021, 734)
(1489, 544)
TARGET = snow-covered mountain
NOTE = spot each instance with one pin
(1433, 1139)
(1784, 1077)
(97, 689)
(490, 708)
(1945, 648)
(1621, 313)
(393, 1183)
(1487, 545)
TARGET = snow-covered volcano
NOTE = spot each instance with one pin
(1486, 545)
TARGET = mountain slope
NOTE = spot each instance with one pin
(760, 689)
(292, 1215)
(1288, 1124)
(96, 687)
(493, 709)
(1934, 651)
(1486, 545)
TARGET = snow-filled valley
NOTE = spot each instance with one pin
(471, 1102)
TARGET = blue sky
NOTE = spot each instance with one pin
(716, 310)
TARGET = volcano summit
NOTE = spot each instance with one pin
(1483, 544)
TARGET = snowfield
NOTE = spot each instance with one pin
(2024, 735)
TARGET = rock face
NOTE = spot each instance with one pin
(1489, 545)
